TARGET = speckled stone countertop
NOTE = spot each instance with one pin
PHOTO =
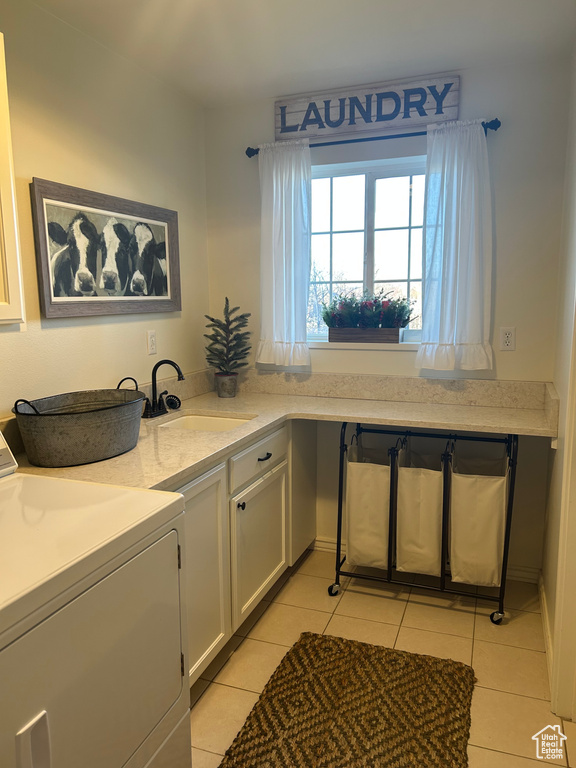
(167, 458)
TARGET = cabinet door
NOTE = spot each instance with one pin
(207, 568)
(258, 530)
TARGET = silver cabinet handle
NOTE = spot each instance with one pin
(33, 743)
(265, 458)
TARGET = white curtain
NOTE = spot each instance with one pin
(457, 250)
(285, 186)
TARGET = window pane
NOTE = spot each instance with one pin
(416, 255)
(348, 256)
(417, 200)
(320, 267)
(319, 294)
(349, 289)
(396, 290)
(392, 202)
(320, 205)
(416, 294)
(391, 255)
(348, 203)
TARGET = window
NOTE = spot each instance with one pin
(366, 233)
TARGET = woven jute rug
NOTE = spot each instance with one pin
(336, 703)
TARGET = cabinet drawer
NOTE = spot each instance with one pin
(258, 459)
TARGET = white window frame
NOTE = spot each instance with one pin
(375, 169)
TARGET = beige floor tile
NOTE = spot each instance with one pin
(277, 586)
(451, 615)
(569, 730)
(197, 689)
(373, 632)
(308, 592)
(254, 617)
(283, 624)
(486, 758)
(369, 587)
(506, 722)
(520, 596)
(322, 564)
(384, 606)
(251, 665)
(521, 629)
(516, 670)
(201, 759)
(434, 581)
(216, 665)
(434, 644)
(218, 716)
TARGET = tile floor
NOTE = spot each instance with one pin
(511, 700)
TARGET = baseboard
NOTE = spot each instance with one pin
(322, 544)
(546, 626)
(515, 572)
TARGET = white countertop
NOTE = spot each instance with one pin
(166, 458)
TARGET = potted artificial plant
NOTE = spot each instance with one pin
(227, 348)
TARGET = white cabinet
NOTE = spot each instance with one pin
(258, 537)
(11, 292)
(240, 534)
(208, 567)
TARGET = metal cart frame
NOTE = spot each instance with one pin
(511, 443)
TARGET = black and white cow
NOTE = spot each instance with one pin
(149, 258)
(117, 265)
(74, 265)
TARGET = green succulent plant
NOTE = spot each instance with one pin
(228, 345)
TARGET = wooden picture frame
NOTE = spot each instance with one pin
(103, 255)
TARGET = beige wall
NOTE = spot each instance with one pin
(559, 583)
(527, 160)
(83, 116)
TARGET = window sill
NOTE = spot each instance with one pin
(403, 346)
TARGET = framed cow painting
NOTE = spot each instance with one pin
(103, 255)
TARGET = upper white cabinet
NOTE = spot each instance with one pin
(11, 293)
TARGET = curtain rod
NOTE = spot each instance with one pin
(491, 125)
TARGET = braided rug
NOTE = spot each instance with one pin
(336, 703)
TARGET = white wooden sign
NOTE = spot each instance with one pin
(368, 109)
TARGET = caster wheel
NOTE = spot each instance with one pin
(496, 617)
(333, 589)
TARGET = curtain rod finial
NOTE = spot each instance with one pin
(251, 152)
(492, 125)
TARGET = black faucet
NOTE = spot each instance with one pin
(158, 407)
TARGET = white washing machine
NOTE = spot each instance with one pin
(92, 645)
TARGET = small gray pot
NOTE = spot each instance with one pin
(226, 384)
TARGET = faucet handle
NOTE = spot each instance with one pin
(147, 413)
(161, 403)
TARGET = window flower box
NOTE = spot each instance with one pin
(365, 335)
(370, 318)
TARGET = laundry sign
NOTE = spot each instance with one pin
(368, 109)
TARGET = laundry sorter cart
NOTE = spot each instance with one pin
(441, 514)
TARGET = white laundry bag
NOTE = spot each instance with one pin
(478, 520)
(419, 515)
(367, 507)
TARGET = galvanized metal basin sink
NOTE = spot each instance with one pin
(207, 423)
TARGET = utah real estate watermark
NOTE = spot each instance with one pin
(550, 743)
